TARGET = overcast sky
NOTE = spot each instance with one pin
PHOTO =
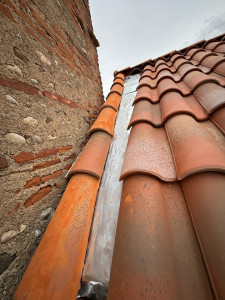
(132, 31)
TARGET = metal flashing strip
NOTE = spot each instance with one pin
(104, 224)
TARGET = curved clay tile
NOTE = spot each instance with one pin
(167, 74)
(202, 68)
(165, 67)
(193, 51)
(112, 101)
(56, 267)
(187, 68)
(216, 46)
(219, 78)
(160, 63)
(194, 150)
(205, 197)
(202, 55)
(220, 48)
(176, 56)
(181, 61)
(147, 81)
(146, 93)
(168, 85)
(119, 81)
(105, 121)
(117, 88)
(188, 51)
(156, 252)
(216, 63)
(93, 156)
(148, 152)
(148, 73)
(218, 119)
(173, 103)
(195, 79)
(120, 75)
(145, 111)
(149, 67)
(211, 96)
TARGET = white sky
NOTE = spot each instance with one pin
(132, 31)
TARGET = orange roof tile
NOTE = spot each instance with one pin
(178, 127)
(105, 121)
(92, 158)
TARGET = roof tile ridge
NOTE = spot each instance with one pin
(98, 144)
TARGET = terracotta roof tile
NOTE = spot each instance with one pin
(116, 88)
(58, 261)
(92, 158)
(148, 152)
(219, 119)
(112, 101)
(145, 111)
(119, 75)
(105, 121)
(205, 196)
(178, 127)
(173, 103)
(118, 80)
(216, 47)
(211, 96)
(194, 151)
(156, 254)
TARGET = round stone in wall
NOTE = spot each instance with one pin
(15, 138)
(30, 121)
(34, 81)
(43, 58)
(37, 139)
(11, 99)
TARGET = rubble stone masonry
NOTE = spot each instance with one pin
(51, 92)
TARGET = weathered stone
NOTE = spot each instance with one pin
(51, 85)
(48, 120)
(46, 213)
(5, 260)
(30, 121)
(3, 162)
(22, 228)
(43, 105)
(9, 235)
(37, 233)
(20, 55)
(14, 69)
(12, 233)
(11, 99)
(15, 138)
(84, 50)
(37, 139)
(57, 110)
(43, 58)
(28, 104)
(86, 119)
(34, 81)
(51, 138)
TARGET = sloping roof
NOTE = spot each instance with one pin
(170, 234)
(170, 240)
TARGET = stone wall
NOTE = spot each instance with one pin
(51, 92)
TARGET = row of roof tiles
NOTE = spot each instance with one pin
(56, 267)
(175, 157)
